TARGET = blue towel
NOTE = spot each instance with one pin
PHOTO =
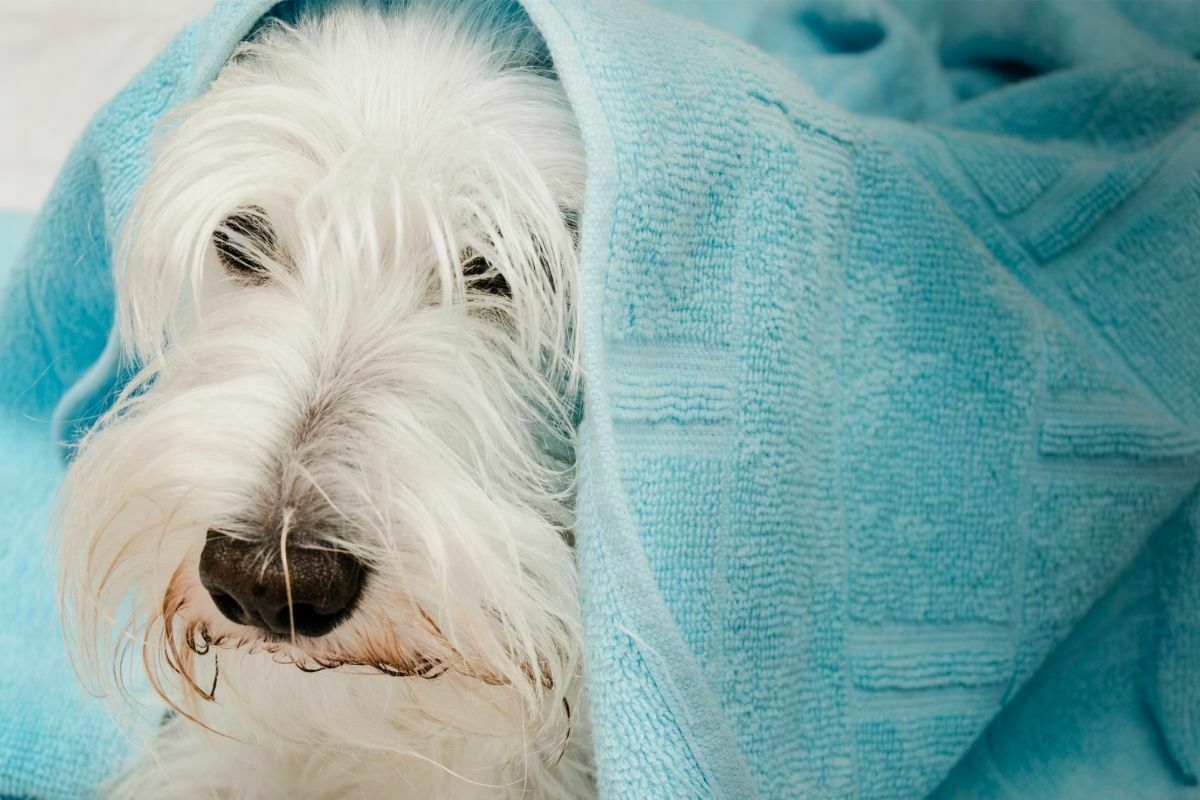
(54, 740)
(891, 444)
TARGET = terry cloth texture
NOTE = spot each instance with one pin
(53, 739)
(891, 438)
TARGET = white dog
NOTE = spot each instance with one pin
(330, 516)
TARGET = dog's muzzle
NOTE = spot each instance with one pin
(250, 584)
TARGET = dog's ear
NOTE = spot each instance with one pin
(246, 242)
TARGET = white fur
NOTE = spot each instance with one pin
(365, 382)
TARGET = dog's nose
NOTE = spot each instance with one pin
(250, 586)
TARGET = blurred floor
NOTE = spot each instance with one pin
(61, 60)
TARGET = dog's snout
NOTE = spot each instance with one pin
(251, 586)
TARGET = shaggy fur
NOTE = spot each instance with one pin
(348, 283)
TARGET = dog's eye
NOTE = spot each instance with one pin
(243, 240)
(481, 276)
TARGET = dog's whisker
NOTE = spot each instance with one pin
(287, 574)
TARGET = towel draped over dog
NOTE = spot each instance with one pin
(891, 433)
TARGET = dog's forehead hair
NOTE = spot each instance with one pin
(401, 161)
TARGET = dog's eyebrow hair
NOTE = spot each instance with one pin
(482, 276)
(241, 237)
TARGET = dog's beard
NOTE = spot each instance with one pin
(421, 449)
(363, 383)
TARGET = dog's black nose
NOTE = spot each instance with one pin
(248, 583)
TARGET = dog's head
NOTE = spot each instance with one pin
(347, 281)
